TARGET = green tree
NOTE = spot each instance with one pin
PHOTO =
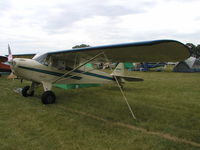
(198, 50)
(80, 46)
(192, 49)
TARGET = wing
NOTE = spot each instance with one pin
(23, 56)
(3, 59)
(149, 51)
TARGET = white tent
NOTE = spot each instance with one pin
(191, 64)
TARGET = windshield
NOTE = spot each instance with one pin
(41, 58)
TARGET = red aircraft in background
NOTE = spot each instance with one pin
(4, 61)
(4, 66)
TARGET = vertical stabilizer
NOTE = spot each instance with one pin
(119, 70)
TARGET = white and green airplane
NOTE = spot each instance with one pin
(69, 66)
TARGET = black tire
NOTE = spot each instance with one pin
(25, 91)
(48, 97)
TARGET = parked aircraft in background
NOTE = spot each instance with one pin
(4, 61)
(146, 66)
(4, 67)
(68, 66)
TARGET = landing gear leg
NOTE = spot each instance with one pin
(48, 97)
(29, 90)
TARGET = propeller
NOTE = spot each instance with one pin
(10, 56)
(10, 61)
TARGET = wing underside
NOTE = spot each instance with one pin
(29, 56)
(151, 51)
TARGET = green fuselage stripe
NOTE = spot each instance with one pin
(71, 76)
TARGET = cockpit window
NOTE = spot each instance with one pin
(41, 58)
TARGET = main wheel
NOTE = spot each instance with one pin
(48, 97)
(25, 92)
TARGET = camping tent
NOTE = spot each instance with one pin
(191, 64)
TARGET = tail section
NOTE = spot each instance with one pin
(119, 73)
(119, 70)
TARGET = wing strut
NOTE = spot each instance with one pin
(118, 83)
(121, 90)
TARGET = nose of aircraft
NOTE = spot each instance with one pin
(14, 65)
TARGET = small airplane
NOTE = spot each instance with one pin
(69, 66)
(4, 67)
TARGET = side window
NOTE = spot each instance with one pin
(54, 63)
(59, 64)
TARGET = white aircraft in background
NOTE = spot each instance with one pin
(68, 66)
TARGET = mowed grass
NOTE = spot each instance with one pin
(166, 103)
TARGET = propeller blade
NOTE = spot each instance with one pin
(10, 57)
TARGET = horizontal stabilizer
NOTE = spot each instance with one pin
(130, 79)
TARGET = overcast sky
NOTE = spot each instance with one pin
(32, 26)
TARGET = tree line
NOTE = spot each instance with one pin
(194, 50)
(80, 46)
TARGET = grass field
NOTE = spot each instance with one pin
(166, 104)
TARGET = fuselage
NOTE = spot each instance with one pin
(32, 70)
